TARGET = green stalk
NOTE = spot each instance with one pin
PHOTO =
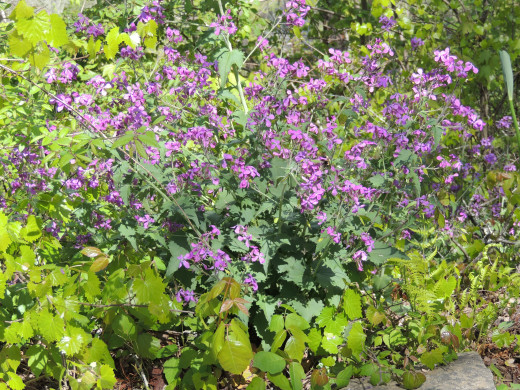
(509, 80)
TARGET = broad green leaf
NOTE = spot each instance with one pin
(98, 352)
(10, 357)
(295, 347)
(22, 11)
(325, 316)
(148, 289)
(19, 46)
(148, 31)
(279, 339)
(356, 338)
(107, 378)
(124, 326)
(148, 139)
(217, 341)
(74, 340)
(297, 375)
(15, 382)
(296, 321)
(58, 32)
(112, 44)
(314, 339)
(236, 353)
(141, 149)
(31, 232)
(374, 316)
(147, 346)
(430, 359)
(413, 380)
(34, 29)
(172, 370)
(256, 384)
(277, 323)
(352, 304)
(343, 378)
(280, 381)
(92, 48)
(226, 61)
(38, 358)
(51, 327)
(269, 362)
(99, 264)
(123, 140)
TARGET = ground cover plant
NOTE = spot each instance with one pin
(190, 201)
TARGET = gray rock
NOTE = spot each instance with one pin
(466, 373)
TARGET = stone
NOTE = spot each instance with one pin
(466, 373)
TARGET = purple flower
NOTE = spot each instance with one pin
(387, 23)
(490, 158)
(416, 43)
(251, 281)
(359, 257)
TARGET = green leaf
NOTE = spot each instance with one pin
(178, 246)
(108, 378)
(21, 11)
(51, 327)
(148, 32)
(225, 62)
(34, 29)
(19, 46)
(40, 58)
(508, 73)
(279, 339)
(314, 339)
(217, 341)
(148, 139)
(295, 347)
(356, 338)
(296, 321)
(147, 346)
(352, 304)
(256, 384)
(15, 382)
(280, 381)
(430, 359)
(112, 44)
(343, 378)
(92, 252)
(236, 353)
(38, 358)
(74, 340)
(31, 232)
(150, 288)
(124, 326)
(123, 140)
(93, 48)
(141, 149)
(297, 375)
(383, 252)
(269, 362)
(413, 380)
(58, 33)
(277, 323)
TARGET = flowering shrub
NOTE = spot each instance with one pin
(302, 210)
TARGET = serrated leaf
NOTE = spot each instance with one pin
(140, 149)
(356, 338)
(99, 264)
(74, 340)
(38, 358)
(51, 327)
(352, 304)
(31, 232)
(148, 139)
(124, 326)
(92, 48)
(430, 359)
(107, 378)
(149, 288)
(413, 380)
(297, 375)
(21, 11)
(226, 61)
(34, 29)
(236, 353)
(111, 47)
(15, 382)
(58, 31)
(343, 378)
(19, 46)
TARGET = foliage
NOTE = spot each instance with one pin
(183, 193)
